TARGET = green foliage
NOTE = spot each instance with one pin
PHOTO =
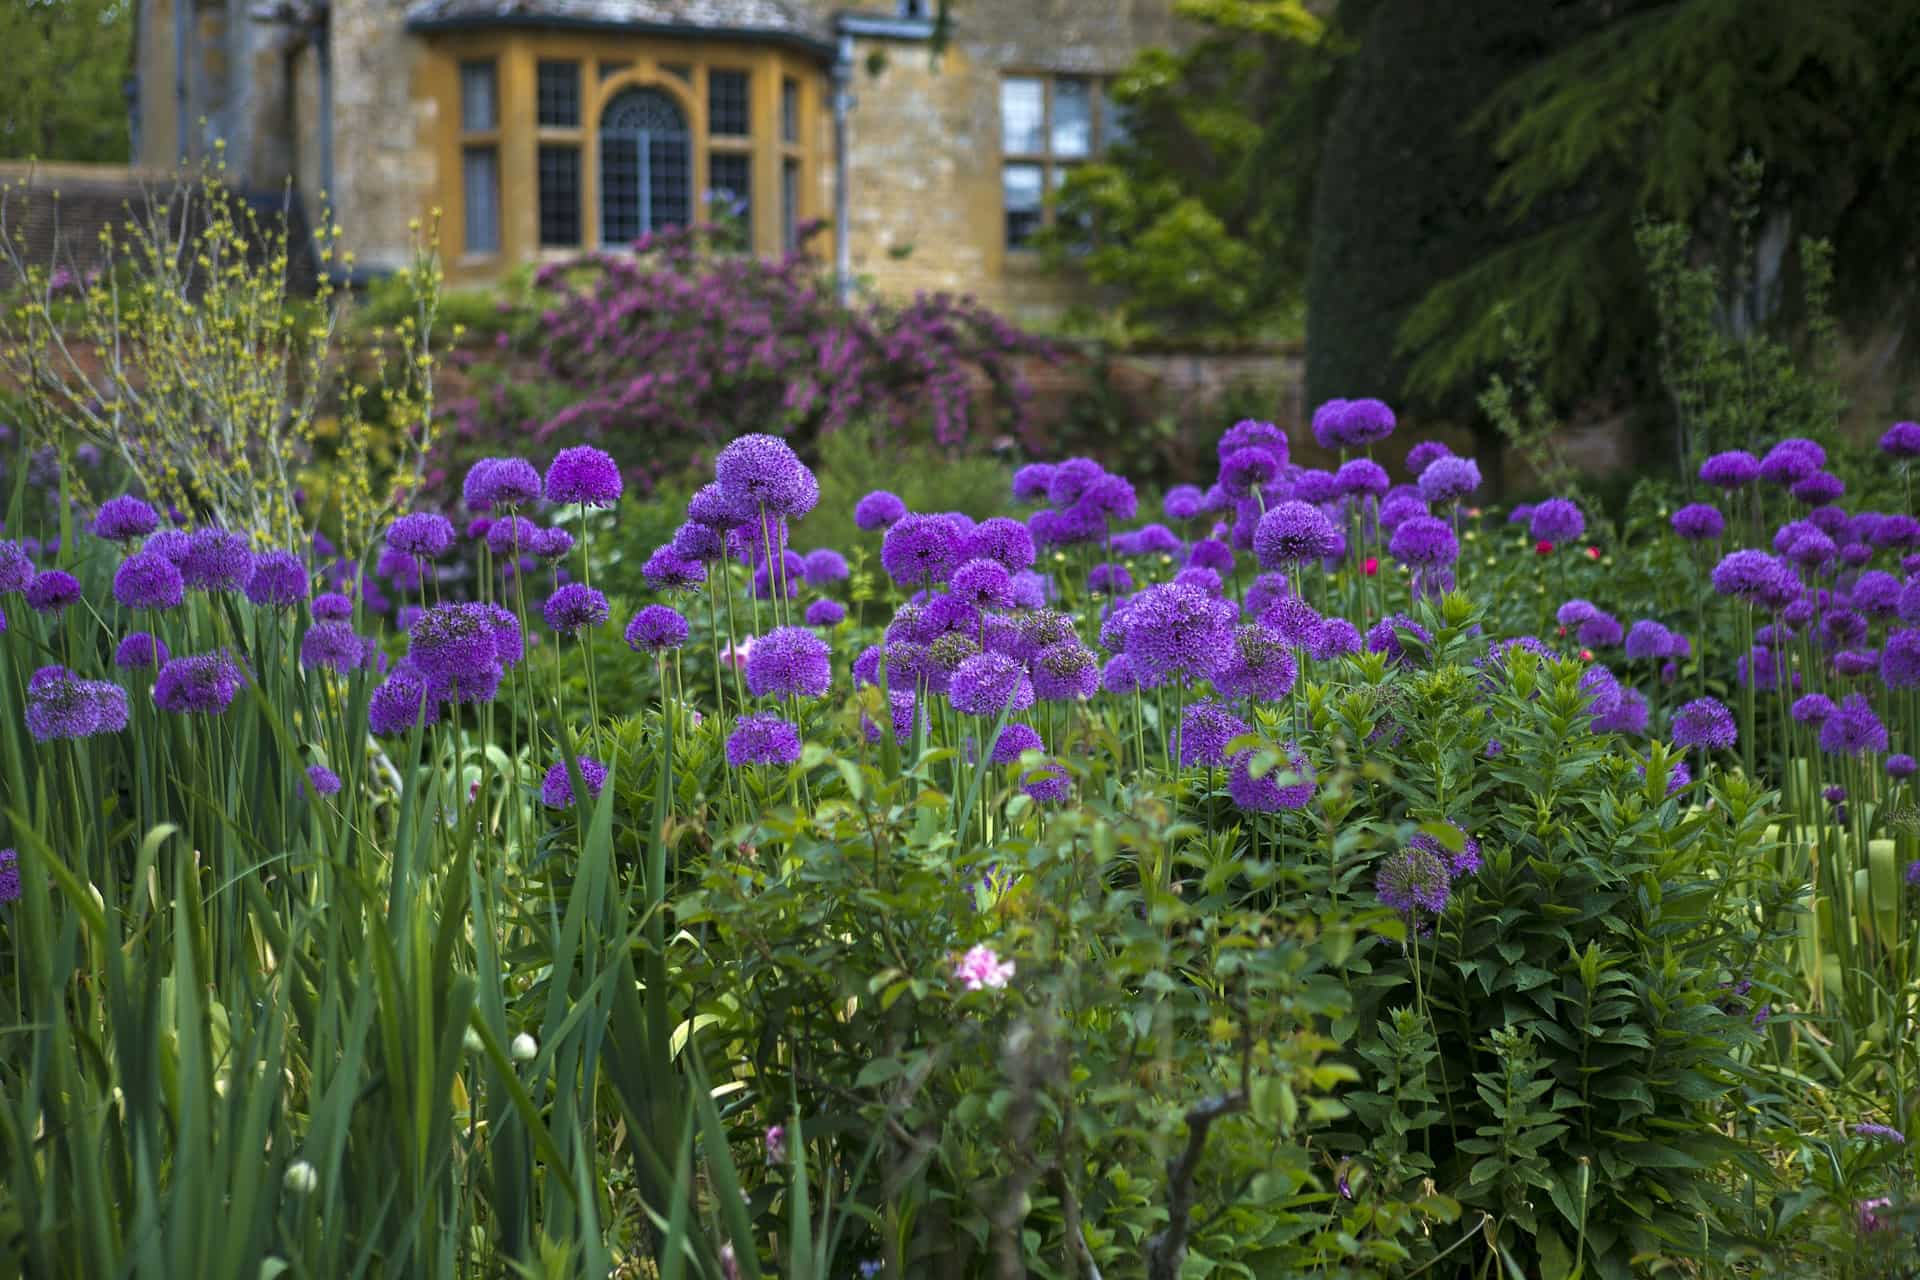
(857, 459)
(1648, 114)
(67, 67)
(1198, 216)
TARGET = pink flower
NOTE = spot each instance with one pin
(736, 655)
(980, 969)
(776, 1144)
(1869, 1219)
(698, 719)
(1370, 566)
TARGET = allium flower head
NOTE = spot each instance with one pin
(1334, 638)
(556, 789)
(988, 684)
(1293, 533)
(825, 613)
(585, 475)
(878, 510)
(9, 876)
(124, 518)
(981, 969)
(1730, 470)
(500, 482)
(148, 580)
(1118, 676)
(1754, 576)
(1065, 671)
(203, 683)
(16, 569)
(279, 580)
(1901, 440)
(1422, 455)
(719, 508)
(1556, 520)
(1601, 631)
(789, 662)
(1005, 541)
(762, 738)
(1463, 863)
(551, 543)
(324, 780)
(1149, 540)
(767, 475)
(919, 550)
(1424, 542)
(1031, 482)
(982, 583)
(1252, 433)
(1328, 424)
(421, 533)
(1413, 880)
(1384, 637)
(1211, 553)
(1648, 640)
(698, 542)
(824, 566)
(656, 629)
(453, 642)
(141, 649)
(1106, 579)
(1792, 461)
(1853, 728)
(1449, 479)
(335, 646)
(1182, 502)
(574, 608)
(1900, 659)
(1205, 730)
(1901, 765)
(1699, 522)
(400, 703)
(1245, 469)
(1704, 723)
(1821, 486)
(1014, 740)
(52, 591)
(62, 705)
(1628, 715)
(665, 570)
(216, 560)
(1260, 665)
(1071, 479)
(1173, 631)
(1362, 478)
(1288, 784)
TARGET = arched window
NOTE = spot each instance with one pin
(646, 166)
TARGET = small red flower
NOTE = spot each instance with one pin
(1586, 655)
(1543, 548)
(1370, 566)
(1560, 631)
(1593, 553)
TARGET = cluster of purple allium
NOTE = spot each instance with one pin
(500, 482)
(279, 580)
(323, 780)
(202, 683)
(1413, 880)
(1293, 533)
(1705, 723)
(335, 646)
(1791, 461)
(556, 789)
(585, 475)
(1175, 633)
(1448, 479)
(1065, 671)
(919, 550)
(124, 519)
(1362, 478)
(1389, 634)
(1755, 577)
(1350, 424)
(982, 583)
(52, 591)
(421, 533)
(789, 662)
(1334, 638)
(216, 560)
(454, 642)
(1287, 785)
(1555, 521)
(1424, 542)
(1015, 740)
(988, 684)
(148, 580)
(1699, 522)
(656, 629)
(140, 649)
(62, 705)
(574, 608)
(762, 738)
(401, 701)
(1853, 728)
(1205, 730)
(1259, 666)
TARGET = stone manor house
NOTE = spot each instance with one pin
(544, 128)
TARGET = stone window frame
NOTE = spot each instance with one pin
(486, 139)
(573, 136)
(1052, 167)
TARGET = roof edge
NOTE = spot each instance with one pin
(822, 49)
(876, 26)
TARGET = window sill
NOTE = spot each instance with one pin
(880, 26)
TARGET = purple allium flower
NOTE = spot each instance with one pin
(16, 569)
(866, 667)
(512, 536)
(575, 607)
(1812, 709)
(148, 580)
(1316, 487)
(1334, 638)
(698, 542)
(1901, 440)
(421, 533)
(1900, 659)
(1853, 728)
(1834, 795)
(551, 543)
(1245, 469)
(1678, 774)
(919, 550)
(789, 662)
(1881, 1132)
(1844, 627)
(1601, 631)
(279, 580)
(501, 482)
(1398, 508)
(1821, 486)
(216, 560)
(1107, 579)
(1271, 792)
(1812, 549)
(949, 612)
(1520, 514)
(1118, 676)
(1556, 520)
(1005, 541)
(1259, 666)
(903, 704)
(1174, 631)
(1182, 502)
(1109, 498)
(556, 789)
(1211, 553)
(62, 705)
(719, 509)
(1602, 690)
(124, 518)
(1205, 579)
(1699, 522)
(824, 566)
(767, 475)
(1463, 863)
(1754, 576)
(1365, 422)
(1327, 423)
(1362, 477)
(1152, 540)
(1384, 637)
(453, 642)
(478, 527)
(1031, 482)
(1449, 479)
(1065, 671)
(585, 475)
(1014, 740)
(141, 649)
(762, 738)
(1704, 723)
(331, 606)
(1628, 715)
(1293, 533)
(1765, 667)
(1205, 730)
(400, 702)
(1792, 461)
(203, 683)
(1900, 765)
(325, 781)
(1265, 589)
(790, 575)
(1252, 433)
(9, 876)
(825, 613)
(665, 570)
(1424, 542)
(1413, 880)
(987, 684)
(1070, 479)
(1049, 784)
(335, 646)
(656, 629)
(52, 591)
(1647, 641)
(1876, 593)
(400, 569)
(878, 510)
(982, 583)
(1423, 455)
